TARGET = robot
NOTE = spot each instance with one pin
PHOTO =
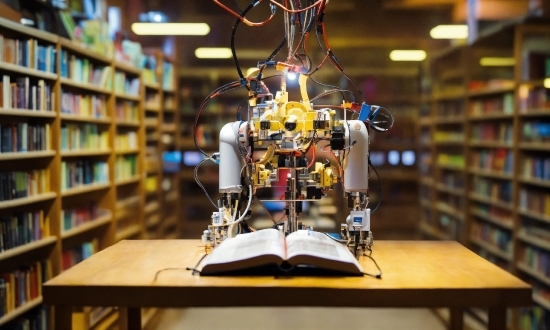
(286, 131)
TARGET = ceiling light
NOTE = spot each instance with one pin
(449, 32)
(407, 55)
(188, 29)
(497, 61)
(547, 83)
(213, 52)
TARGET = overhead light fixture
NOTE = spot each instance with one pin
(407, 55)
(497, 61)
(180, 29)
(455, 31)
(213, 52)
(547, 83)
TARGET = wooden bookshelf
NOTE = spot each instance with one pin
(505, 194)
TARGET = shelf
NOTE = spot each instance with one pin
(402, 174)
(85, 189)
(85, 86)
(534, 215)
(83, 153)
(103, 319)
(533, 240)
(450, 167)
(171, 197)
(489, 218)
(127, 123)
(19, 311)
(26, 248)
(488, 200)
(491, 174)
(27, 200)
(135, 179)
(128, 97)
(127, 202)
(534, 113)
(450, 143)
(27, 113)
(535, 182)
(449, 96)
(491, 91)
(27, 71)
(151, 108)
(84, 51)
(426, 181)
(86, 119)
(151, 207)
(535, 146)
(425, 121)
(425, 203)
(541, 301)
(441, 207)
(490, 116)
(536, 274)
(28, 31)
(127, 152)
(450, 120)
(450, 190)
(169, 109)
(171, 221)
(152, 221)
(150, 85)
(129, 232)
(26, 155)
(492, 249)
(92, 224)
(128, 68)
(427, 229)
(490, 144)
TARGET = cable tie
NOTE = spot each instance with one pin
(243, 81)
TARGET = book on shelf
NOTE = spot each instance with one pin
(15, 185)
(126, 110)
(501, 239)
(22, 228)
(535, 200)
(23, 94)
(126, 85)
(74, 217)
(493, 105)
(536, 131)
(126, 141)
(27, 53)
(125, 167)
(84, 105)
(536, 167)
(83, 70)
(497, 190)
(23, 137)
(83, 172)
(495, 160)
(83, 137)
(19, 287)
(268, 251)
(538, 260)
(73, 256)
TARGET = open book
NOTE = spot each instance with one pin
(269, 252)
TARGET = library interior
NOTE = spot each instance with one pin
(139, 136)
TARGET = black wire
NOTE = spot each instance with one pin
(379, 275)
(332, 91)
(200, 184)
(233, 51)
(238, 7)
(379, 185)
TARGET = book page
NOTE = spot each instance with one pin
(251, 247)
(307, 246)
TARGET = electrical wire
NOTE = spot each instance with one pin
(379, 185)
(195, 172)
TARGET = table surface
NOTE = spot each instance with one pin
(415, 274)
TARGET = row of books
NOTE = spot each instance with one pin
(23, 137)
(536, 167)
(491, 84)
(450, 109)
(455, 160)
(536, 229)
(494, 212)
(37, 319)
(22, 228)
(537, 99)
(126, 85)
(168, 76)
(452, 180)
(493, 189)
(492, 132)
(536, 317)
(152, 100)
(535, 200)
(84, 105)
(448, 136)
(149, 76)
(495, 160)
(126, 141)
(83, 172)
(127, 111)
(125, 167)
(15, 185)
(27, 53)
(83, 70)
(537, 259)
(496, 104)
(451, 202)
(502, 239)
(536, 131)
(74, 217)
(83, 137)
(504, 264)
(19, 287)
(73, 256)
(25, 94)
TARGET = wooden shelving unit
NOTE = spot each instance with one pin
(498, 173)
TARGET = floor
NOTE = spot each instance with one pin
(298, 318)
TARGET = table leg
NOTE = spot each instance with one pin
(63, 317)
(456, 320)
(130, 318)
(497, 318)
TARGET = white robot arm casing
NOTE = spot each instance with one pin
(356, 162)
(230, 158)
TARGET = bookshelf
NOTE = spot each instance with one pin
(74, 168)
(490, 152)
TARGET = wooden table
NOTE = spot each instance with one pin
(415, 274)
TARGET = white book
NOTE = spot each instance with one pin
(6, 92)
(34, 107)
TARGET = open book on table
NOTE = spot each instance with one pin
(269, 252)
